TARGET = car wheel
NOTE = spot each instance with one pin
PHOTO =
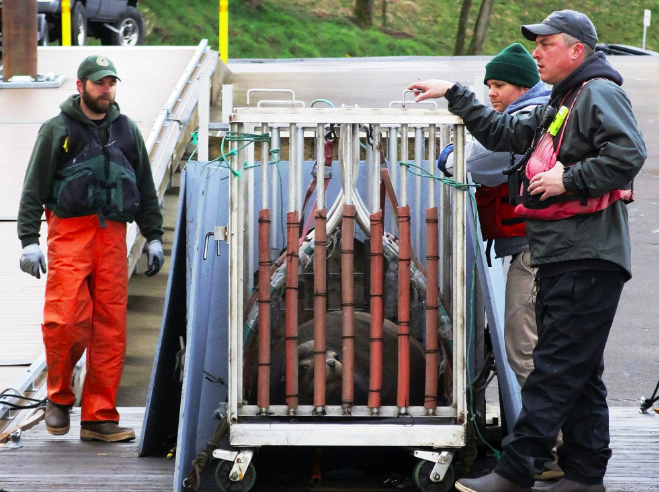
(129, 29)
(78, 25)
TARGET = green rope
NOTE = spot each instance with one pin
(447, 181)
(326, 101)
(249, 138)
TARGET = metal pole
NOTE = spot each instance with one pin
(393, 167)
(234, 283)
(292, 168)
(356, 153)
(432, 140)
(66, 22)
(320, 277)
(244, 243)
(275, 144)
(374, 166)
(376, 280)
(346, 155)
(369, 172)
(224, 30)
(459, 276)
(446, 252)
(300, 168)
(418, 160)
(265, 158)
(645, 30)
(320, 160)
(404, 155)
(227, 102)
(264, 300)
(250, 217)
(204, 115)
(19, 38)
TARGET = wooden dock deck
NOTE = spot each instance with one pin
(64, 463)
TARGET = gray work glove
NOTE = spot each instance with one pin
(156, 258)
(32, 259)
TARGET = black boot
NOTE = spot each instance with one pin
(489, 483)
(57, 419)
(105, 431)
(565, 485)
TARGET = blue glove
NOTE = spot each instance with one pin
(156, 258)
(443, 158)
(32, 260)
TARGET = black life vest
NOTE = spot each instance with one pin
(93, 178)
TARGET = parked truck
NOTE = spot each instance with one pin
(114, 22)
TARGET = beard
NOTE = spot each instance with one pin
(100, 105)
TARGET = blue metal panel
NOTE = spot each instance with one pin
(493, 287)
(161, 416)
(207, 319)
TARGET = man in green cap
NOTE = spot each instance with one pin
(90, 171)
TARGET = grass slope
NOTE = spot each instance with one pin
(308, 28)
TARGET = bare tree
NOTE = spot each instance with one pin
(364, 11)
(384, 13)
(254, 4)
(480, 31)
(462, 28)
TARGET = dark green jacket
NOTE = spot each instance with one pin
(603, 147)
(49, 151)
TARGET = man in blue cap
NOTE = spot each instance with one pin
(583, 149)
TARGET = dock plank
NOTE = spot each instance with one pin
(64, 463)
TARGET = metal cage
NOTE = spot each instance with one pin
(253, 425)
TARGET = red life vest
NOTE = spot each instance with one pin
(568, 204)
(497, 217)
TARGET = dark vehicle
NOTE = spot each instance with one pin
(623, 50)
(114, 22)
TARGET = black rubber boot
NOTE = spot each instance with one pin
(105, 431)
(489, 483)
(565, 485)
(58, 422)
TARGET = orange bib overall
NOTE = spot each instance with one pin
(85, 308)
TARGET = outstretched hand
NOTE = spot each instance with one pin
(430, 89)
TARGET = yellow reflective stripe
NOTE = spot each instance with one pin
(66, 145)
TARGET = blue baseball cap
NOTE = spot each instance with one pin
(570, 22)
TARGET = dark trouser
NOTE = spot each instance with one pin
(574, 313)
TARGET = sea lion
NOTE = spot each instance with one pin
(334, 366)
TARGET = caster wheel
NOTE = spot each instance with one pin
(227, 485)
(422, 480)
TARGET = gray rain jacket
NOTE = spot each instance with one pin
(486, 167)
(603, 148)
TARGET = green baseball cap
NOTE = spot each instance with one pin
(95, 68)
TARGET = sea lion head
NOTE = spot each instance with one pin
(333, 372)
